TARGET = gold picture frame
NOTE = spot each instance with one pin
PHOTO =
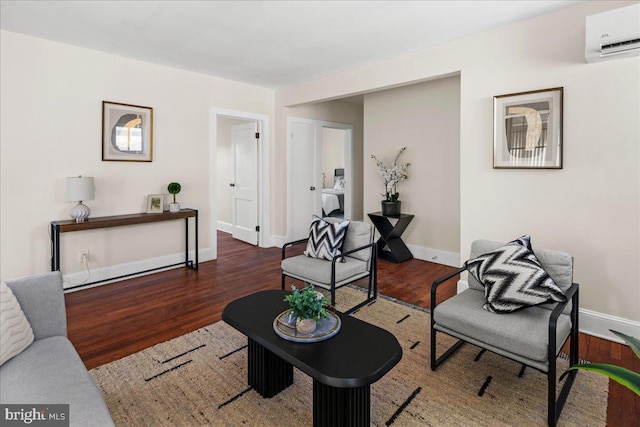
(527, 130)
(127, 132)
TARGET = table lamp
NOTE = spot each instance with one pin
(79, 189)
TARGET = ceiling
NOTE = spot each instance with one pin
(265, 43)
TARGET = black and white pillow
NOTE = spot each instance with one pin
(326, 239)
(513, 278)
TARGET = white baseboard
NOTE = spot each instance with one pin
(72, 280)
(279, 241)
(437, 256)
(594, 323)
(452, 259)
(225, 227)
(598, 325)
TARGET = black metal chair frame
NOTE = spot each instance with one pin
(372, 292)
(554, 407)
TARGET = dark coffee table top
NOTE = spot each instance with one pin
(359, 354)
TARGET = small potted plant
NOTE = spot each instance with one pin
(174, 188)
(308, 306)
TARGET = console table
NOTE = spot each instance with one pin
(390, 244)
(67, 226)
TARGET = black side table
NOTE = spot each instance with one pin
(390, 245)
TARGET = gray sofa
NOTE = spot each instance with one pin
(50, 371)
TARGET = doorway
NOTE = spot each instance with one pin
(239, 176)
(306, 181)
(333, 179)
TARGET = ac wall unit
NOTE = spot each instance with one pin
(613, 34)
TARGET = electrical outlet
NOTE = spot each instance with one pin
(84, 257)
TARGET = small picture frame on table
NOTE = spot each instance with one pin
(155, 203)
(527, 130)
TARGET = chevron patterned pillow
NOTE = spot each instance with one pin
(325, 239)
(513, 278)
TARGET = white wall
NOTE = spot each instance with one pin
(50, 100)
(591, 208)
(425, 118)
(50, 108)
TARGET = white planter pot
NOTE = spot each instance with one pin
(174, 207)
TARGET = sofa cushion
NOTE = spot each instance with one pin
(524, 332)
(513, 278)
(41, 298)
(319, 271)
(50, 371)
(15, 332)
(325, 239)
(359, 234)
(558, 264)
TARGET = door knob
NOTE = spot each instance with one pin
(232, 185)
(312, 188)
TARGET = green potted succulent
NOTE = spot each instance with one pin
(308, 306)
(174, 188)
(624, 376)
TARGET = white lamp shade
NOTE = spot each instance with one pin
(80, 188)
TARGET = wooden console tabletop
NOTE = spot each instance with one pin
(67, 226)
(119, 220)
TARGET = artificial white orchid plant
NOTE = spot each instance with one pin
(392, 175)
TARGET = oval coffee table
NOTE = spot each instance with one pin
(342, 367)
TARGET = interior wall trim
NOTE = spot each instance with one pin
(80, 277)
(225, 227)
(439, 256)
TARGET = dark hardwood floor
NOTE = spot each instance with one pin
(109, 322)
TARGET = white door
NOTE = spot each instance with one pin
(305, 178)
(244, 188)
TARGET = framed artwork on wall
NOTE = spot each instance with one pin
(155, 203)
(527, 130)
(127, 132)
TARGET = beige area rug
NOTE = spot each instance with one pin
(201, 379)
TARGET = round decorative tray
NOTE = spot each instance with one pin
(326, 328)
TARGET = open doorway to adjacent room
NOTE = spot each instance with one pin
(333, 172)
(240, 194)
(311, 182)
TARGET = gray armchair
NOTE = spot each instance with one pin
(359, 252)
(532, 336)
